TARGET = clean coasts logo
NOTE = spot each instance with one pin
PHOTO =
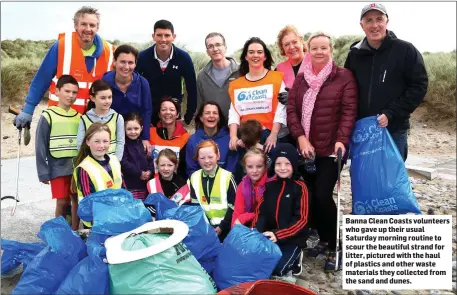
(375, 206)
(254, 100)
(252, 95)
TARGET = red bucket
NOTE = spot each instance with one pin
(266, 287)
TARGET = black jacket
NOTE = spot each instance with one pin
(289, 220)
(392, 80)
(168, 82)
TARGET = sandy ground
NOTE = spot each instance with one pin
(427, 138)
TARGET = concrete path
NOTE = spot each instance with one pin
(30, 188)
(445, 169)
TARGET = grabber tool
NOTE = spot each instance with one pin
(338, 188)
(14, 111)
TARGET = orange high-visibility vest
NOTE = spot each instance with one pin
(158, 144)
(71, 61)
(256, 100)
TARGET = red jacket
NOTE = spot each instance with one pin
(334, 113)
(240, 211)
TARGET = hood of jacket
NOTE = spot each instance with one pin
(201, 135)
(362, 45)
(94, 117)
(110, 76)
(233, 66)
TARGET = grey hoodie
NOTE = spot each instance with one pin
(120, 133)
(207, 88)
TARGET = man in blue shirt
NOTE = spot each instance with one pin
(86, 24)
(164, 65)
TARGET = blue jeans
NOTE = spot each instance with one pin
(400, 138)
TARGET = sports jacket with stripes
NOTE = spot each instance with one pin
(283, 210)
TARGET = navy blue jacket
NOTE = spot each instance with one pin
(228, 160)
(136, 99)
(134, 162)
(168, 82)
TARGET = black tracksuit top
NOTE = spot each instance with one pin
(283, 210)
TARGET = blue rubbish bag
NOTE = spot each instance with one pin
(160, 203)
(113, 211)
(90, 275)
(17, 253)
(46, 271)
(201, 240)
(246, 256)
(379, 180)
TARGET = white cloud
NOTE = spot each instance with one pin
(429, 26)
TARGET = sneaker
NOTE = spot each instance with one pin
(298, 268)
(313, 239)
(331, 260)
(321, 248)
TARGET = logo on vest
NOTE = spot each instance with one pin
(175, 67)
(254, 95)
(109, 184)
(254, 100)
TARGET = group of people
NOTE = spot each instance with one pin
(264, 150)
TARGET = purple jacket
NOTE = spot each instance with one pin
(134, 162)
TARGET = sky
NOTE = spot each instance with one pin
(429, 26)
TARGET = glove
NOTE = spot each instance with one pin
(22, 120)
(283, 97)
(188, 118)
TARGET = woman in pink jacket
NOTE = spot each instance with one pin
(292, 45)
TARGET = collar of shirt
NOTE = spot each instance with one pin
(163, 64)
(211, 175)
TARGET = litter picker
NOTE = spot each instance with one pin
(338, 183)
(14, 111)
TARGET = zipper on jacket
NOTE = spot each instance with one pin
(278, 201)
(371, 82)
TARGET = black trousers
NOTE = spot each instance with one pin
(323, 209)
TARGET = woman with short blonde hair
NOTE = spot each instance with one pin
(321, 114)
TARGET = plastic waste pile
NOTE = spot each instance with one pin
(127, 252)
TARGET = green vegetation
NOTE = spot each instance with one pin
(21, 59)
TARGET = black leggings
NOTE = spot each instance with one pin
(323, 208)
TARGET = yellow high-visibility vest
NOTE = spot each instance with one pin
(63, 131)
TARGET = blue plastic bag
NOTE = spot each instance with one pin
(113, 211)
(17, 253)
(90, 275)
(379, 180)
(246, 256)
(47, 270)
(160, 203)
(201, 240)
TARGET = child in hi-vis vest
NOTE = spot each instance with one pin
(99, 110)
(55, 147)
(213, 188)
(96, 170)
(137, 166)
